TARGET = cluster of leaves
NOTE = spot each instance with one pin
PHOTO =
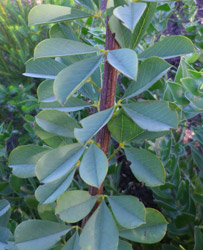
(70, 157)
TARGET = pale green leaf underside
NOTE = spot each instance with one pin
(73, 104)
(39, 234)
(46, 68)
(69, 80)
(128, 211)
(47, 13)
(61, 47)
(100, 232)
(150, 71)
(152, 116)
(49, 192)
(57, 122)
(92, 124)
(130, 14)
(169, 47)
(153, 231)
(125, 61)
(73, 206)
(146, 167)
(94, 166)
(24, 158)
(58, 162)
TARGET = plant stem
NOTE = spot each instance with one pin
(107, 101)
(107, 98)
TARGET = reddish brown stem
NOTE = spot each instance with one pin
(107, 101)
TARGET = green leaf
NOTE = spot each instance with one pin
(48, 13)
(43, 68)
(4, 213)
(98, 3)
(60, 30)
(146, 167)
(197, 101)
(73, 104)
(58, 162)
(69, 80)
(198, 134)
(39, 234)
(48, 100)
(197, 157)
(100, 232)
(125, 38)
(122, 128)
(94, 166)
(183, 219)
(124, 245)
(45, 91)
(57, 122)
(49, 192)
(178, 93)
(128, 211)
(73, 206)
(150, 71)
(153, 231)
(61, 47)
(86, 3)
(169, 47)
(50, 139)
(24, 158)
(192, 85)
(125, 61)
(4, 236)
(92, 124)
(47, 212)
(130, 14)
(152, 115)
(4, 207)
(198, 235)
(73, 243)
